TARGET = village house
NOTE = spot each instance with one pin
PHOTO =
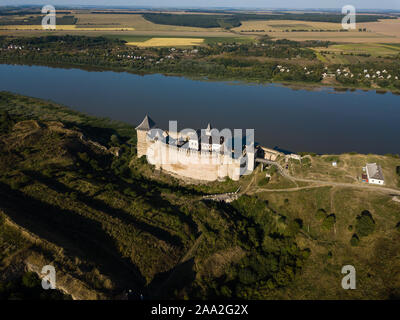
(374, 174)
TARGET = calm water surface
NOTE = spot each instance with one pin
(298, 120)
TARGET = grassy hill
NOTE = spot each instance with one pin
(73, 194)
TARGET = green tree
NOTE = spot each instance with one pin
(6, 123)
(365, 224)
(226, 292)
(354, 241)
(114, 140)
(321, 214)
(295, 226)
(30, 280)
(329, 221)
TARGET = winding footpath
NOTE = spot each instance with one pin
(320, 183)
(231, 196)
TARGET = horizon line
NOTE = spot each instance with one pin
(194, 7)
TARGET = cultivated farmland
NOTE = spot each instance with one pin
(382, 31)
(65, 28)
(283, 25)
(167, 42)
(133, 23)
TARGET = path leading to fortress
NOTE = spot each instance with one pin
(249, 189)
(321, 183)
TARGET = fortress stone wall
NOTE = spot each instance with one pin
(193, 164)
(184, 162)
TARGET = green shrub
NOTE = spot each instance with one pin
(328, 222)
(226, 292)
(321, 214)
(114, 140)
(15, 185)
(365, 224)
(30, 280)
(247, 276)
(306, 253)
(6, 123)
(332, 159)
(295, 226)
(47, 173)
(312, 154)
(263, 182)
(83, 156)
(272, 170)
(354, 241)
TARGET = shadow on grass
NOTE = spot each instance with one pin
(78, 235)
(100, 205)
(165, 285)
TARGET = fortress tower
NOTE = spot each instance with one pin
(141, 131)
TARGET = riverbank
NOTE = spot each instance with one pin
(295, 85)
(298, 114)
(138, 226)
(263, 61)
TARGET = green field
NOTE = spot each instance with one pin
(356, 52)
(369, 48)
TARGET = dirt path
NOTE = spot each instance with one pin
(257, 190)
(249, 185)
(332, 200)
(190, 252)
(320, 183)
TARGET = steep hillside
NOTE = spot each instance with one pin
(73, 194)
(95, 212)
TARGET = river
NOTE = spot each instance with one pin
(322, 121)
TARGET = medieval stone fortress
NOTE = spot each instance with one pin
(210, 155)
(201, 154)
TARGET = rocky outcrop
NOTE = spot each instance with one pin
(34, 262)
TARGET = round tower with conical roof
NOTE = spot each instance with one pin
(141, 131)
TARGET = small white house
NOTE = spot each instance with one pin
(374, 174)
(334, 164)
